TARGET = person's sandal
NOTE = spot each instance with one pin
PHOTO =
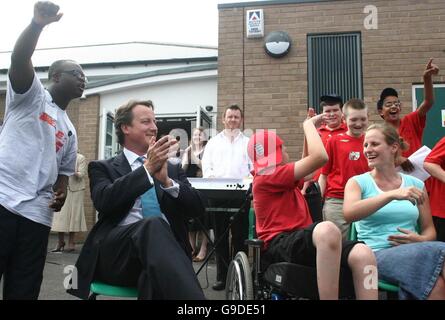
(198, 259)
(59, 248)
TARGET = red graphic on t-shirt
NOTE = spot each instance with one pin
(48, 119)
(60, 140)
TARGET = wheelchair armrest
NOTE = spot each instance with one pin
(256, 243)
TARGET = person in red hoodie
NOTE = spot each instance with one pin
(283, 221)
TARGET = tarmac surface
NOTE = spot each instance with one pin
(57, 268)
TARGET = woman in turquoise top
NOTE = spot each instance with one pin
(388, 206)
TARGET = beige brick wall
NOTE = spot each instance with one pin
(274, 92)
(85, 116)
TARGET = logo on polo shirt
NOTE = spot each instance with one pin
(354, 155)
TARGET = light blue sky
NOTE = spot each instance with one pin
(108, 21)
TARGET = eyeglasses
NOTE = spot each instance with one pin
(389, 104)
(76, 73)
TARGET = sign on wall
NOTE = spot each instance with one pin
(255, 23)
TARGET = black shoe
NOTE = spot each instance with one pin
(219, 285)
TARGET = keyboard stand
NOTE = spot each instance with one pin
(243, 210)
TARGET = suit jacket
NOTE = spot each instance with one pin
(114, 189)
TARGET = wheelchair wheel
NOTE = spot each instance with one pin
(239, 279)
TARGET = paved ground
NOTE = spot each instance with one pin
(58, 263)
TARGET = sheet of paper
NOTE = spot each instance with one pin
(417, 159)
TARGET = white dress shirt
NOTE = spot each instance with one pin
(224, 158)
(135, 214)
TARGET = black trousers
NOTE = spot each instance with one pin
(23, 247)
(439, 224)
(146, 254)
(239, 231)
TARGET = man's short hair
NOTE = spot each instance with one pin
(57, 67)
(356, 104)
(387, 92)
(331, 100)
(124, 116)
(233, 107)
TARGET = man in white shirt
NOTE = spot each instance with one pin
(225, 156)
(144, 201)
(38, 147)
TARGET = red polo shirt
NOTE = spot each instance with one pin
(325, 135)
(346, 160)
(437, 188)
(411, 130)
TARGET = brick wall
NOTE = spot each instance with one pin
(85, 116)
(274, 92)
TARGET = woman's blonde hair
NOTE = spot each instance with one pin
(391, 135)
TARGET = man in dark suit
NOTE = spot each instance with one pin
(126, 247)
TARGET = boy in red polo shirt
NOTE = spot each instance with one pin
(331, 105)
(409, 127)
(346, 160)
(435, 165)
(283, 221)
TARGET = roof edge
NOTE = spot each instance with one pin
(264, 3)
(131, 63)
(211, 66)
(170, 44)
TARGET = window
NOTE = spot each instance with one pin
(111, 146)
(334, 66)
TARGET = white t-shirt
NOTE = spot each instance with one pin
(224, 158)
(37, 143)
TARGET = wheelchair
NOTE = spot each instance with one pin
(277, 281)
(282, 280)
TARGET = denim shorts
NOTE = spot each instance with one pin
(413, 267)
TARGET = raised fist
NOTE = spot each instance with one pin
(46, 12)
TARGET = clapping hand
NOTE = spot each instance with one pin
(158, 153)
(46, 12)
(310, 113)
(318, 120)
(412, 194)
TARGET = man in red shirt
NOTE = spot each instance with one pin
(435, 165)
(346, 160)
(283, 221)
(410, 127)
